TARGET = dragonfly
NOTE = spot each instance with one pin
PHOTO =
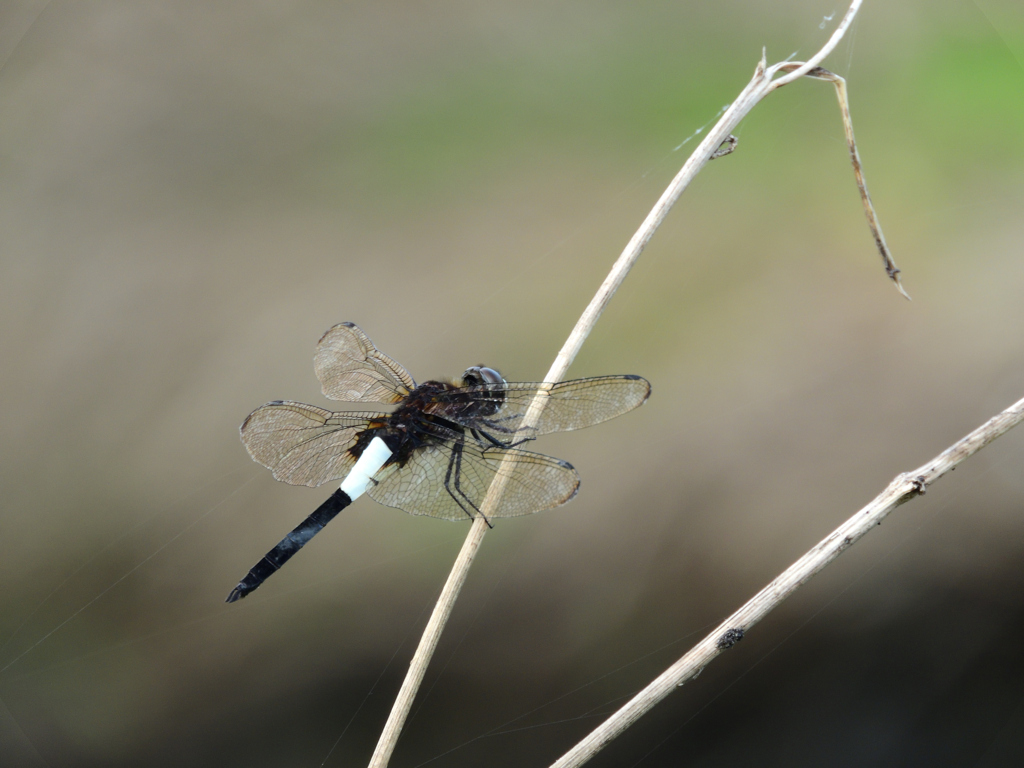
(435, 453)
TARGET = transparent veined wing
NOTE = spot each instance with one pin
(450, 481)
(351, 369)
(302, 444)
(569, 405)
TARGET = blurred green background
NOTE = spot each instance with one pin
(192, 192)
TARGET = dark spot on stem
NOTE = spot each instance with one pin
(730, 638)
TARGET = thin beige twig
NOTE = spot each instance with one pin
(799, 69)
(858, 172)
(428, 642)
(904, 488)
(760, 86)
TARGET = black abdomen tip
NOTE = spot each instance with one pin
(238, 592)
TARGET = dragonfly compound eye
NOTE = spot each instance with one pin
(479, 374)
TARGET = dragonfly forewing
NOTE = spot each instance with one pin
(568, 405)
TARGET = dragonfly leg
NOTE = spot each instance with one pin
(455, 455)
(479, 433)
(496, 425)
(455, 468)
(458, 487)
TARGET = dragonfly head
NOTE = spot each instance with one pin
(478, 375)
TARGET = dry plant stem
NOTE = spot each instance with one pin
(798, 69)
(904, 488)
(428, 642)
(858, 172)
(760, 86)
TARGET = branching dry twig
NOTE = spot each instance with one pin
(904, 488)
(763, 83)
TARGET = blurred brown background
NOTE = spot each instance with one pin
(192, 192)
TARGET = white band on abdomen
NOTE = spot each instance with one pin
(369, 464)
